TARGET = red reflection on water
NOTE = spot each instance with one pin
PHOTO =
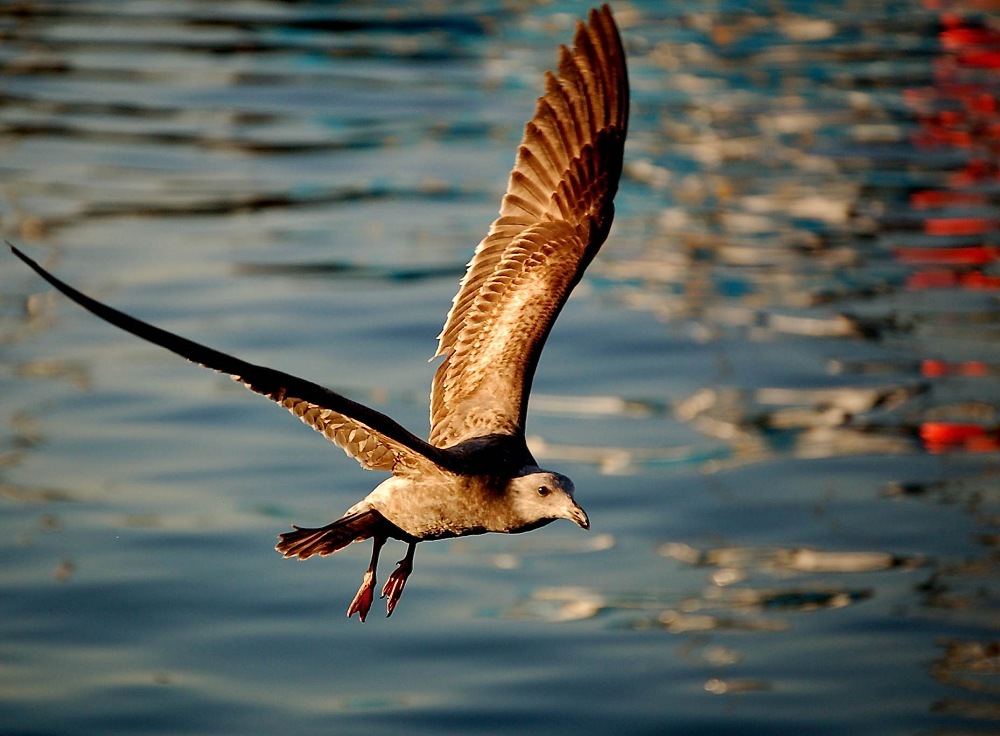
(941, 437)
(930, 198)
(967, 256)
(973, 280)
(959, 225)
(961, 111)
(940, 368)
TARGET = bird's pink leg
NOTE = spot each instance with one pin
(362, 602)
(394, 585)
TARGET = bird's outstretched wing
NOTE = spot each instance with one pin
(553, 219)
(370, 437)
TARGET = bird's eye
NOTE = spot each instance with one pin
(543, 491)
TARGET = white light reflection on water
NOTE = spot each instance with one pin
(776, 391)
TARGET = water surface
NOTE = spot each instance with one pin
(777, 389)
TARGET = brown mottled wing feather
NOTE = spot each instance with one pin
(304, 543)
(371, 438)
(553, 219)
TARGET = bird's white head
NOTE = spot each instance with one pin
(541, 497)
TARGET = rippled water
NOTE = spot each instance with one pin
(777, 390)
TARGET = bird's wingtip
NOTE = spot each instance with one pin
(22, 255)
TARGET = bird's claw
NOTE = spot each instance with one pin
(362, 602)
(393, 588)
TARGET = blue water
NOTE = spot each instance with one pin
(745, 388)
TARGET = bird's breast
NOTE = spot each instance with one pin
(441, 507)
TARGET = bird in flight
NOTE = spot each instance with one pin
(475, 473)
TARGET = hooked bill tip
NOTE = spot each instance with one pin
(579, 516)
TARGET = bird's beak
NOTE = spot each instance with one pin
(577, 515)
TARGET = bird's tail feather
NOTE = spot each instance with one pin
(304, 543)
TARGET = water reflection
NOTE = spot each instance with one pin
(793, 211)
(787, 357)
(964, 592)
(728, 592)
(798, 210)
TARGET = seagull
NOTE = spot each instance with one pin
(475, 473)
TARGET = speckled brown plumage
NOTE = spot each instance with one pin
(553, 219)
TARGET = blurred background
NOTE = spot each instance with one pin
(777, 389)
